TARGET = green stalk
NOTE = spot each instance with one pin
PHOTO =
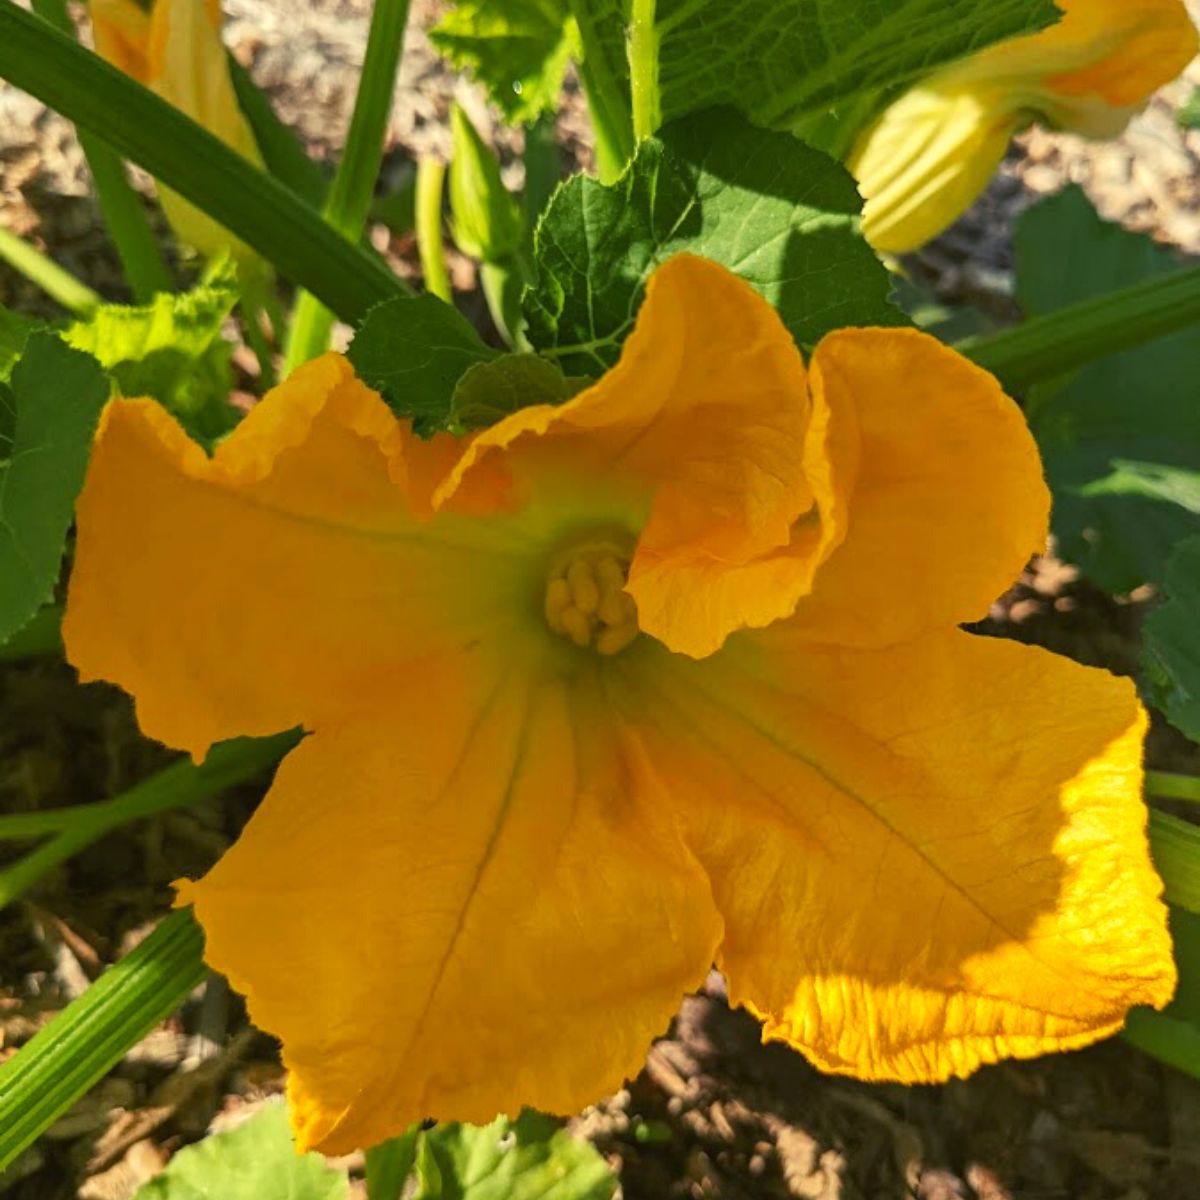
(120, 205)
(1173, 787)
(354, 184)
(1072, 337)
(37, 638)
(92, 1034)
(606, 102)
(61, 286)
(181, 783)
(643, 69)
(127, 223)
(431, 179)
(191, 161)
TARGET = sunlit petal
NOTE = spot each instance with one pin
(949, 502)
(928, 857)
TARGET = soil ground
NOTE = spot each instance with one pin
(714, 1113)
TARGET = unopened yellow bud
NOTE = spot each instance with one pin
(927, 157)
(176, 51)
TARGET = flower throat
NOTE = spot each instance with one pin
(585, 597)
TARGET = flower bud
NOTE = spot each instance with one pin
(176, 51)
(486, 219)
(926, 158)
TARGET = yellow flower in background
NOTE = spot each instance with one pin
(177, 52)
(923, 162)
(666, 675)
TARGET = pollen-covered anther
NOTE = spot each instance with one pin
(585, 597)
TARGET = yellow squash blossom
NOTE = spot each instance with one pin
(177, 52)
(922, 163)
(666, 675)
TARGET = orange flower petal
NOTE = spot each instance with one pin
(284, 579)
(927, 857)
(458, 916)
(949, 502)
(706, 414)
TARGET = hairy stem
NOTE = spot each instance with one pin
(643, 69)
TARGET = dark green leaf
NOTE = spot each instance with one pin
(518, 49)
(14, 330)
(255, 1161)
(1171, 654)
(782, 61)
(950, 323)
(171, 350)
(1185, 932)
(58, 394)
(781, 215)
(491, 390)
(531, 1158)
(1121, 438)
(778, 61)
(8, 421)
(414, 351)
(282, 150)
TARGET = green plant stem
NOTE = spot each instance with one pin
(126, 220)
(354, 184)
(643, 68)
(1173, 787)
(188, 159)
(120, 206)
(1072, 337)
(181, 783)
(60, 285)
(431, 181)
(610, 115)
(92, 1034)
(37, 638)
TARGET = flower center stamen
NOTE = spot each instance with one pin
(585, 596)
